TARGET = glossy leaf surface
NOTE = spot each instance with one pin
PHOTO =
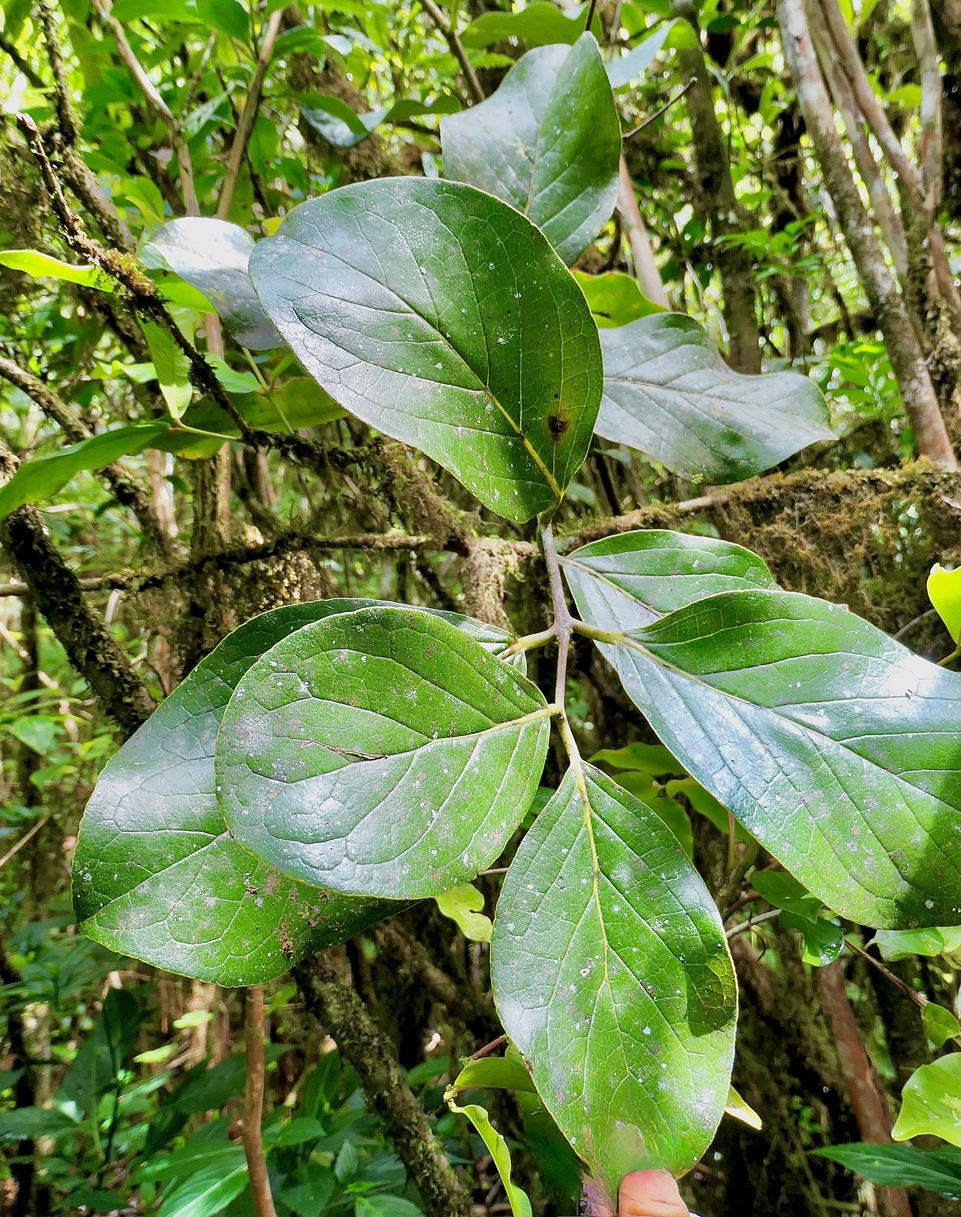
(437, 314)
(213, 255)
(668, 393)
(931, 1100)
(628, 581)
(538, 24)
(528, 145)
(619, 991)
(381, 753)
(835, 746)
(156, 874)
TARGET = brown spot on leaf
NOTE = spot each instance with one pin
(557, 425)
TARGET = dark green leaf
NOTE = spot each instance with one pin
(556, 163)
(668, 393)
(940, 1024)
(188, 897)
(332, 118)
(382, 753)
(612, 976)
(538, 24)
(833, 744)
(96, 1067)
(939, 1170)
(646, 758)
(631, 580)
(213, 255)
(437, 314)
(42, 477)
(34, 1122)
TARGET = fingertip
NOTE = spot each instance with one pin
(651, 1194)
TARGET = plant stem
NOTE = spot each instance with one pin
(563, 625)
(529, 642)
(254, 1105)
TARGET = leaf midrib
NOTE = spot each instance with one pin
(532, 452)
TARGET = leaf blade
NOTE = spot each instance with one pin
(380, 753)
(628, 1023)
(526, 146)
(668, 393)
(377, 289)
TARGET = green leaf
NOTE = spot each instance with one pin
(310, 1199)
(615, 299)
(437, 314)
(42, 477)
(382, 753)
(538, 24)
(939, 1170)
(299, 403)
(828, 740)
(206, 1192)
(632, 580)
(172, 367)
(527, 145)
(30, 1122)
(740, 1109)
(463, 905)
(931, 1102)
(43, 266)
(944, 592)
(647, 758)
(332, 118)
(493, 1073)
(385, 1206)
(635, 63)
(212, 255)
(940, 1024)
(36, 732)
(228, 16)
(901, 944)
(500, 1154)
(612, 976)
(157, 876)
(668, 393)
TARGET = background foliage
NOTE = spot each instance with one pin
(123, 1088)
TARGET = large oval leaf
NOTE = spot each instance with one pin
(383, 753)
(213, 255)
(668, 393)
(637, 577)
(155, 874)
(834, 745)
(611, 973)
(528, 145)
(442, 317)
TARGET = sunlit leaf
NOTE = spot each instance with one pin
(931, 1102)
(383, 753)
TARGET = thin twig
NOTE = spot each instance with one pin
(23, 841)
(254, 1106)
(751, 923)
(645, 268)
(245, 125)
(663, 110)
(440, 20)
